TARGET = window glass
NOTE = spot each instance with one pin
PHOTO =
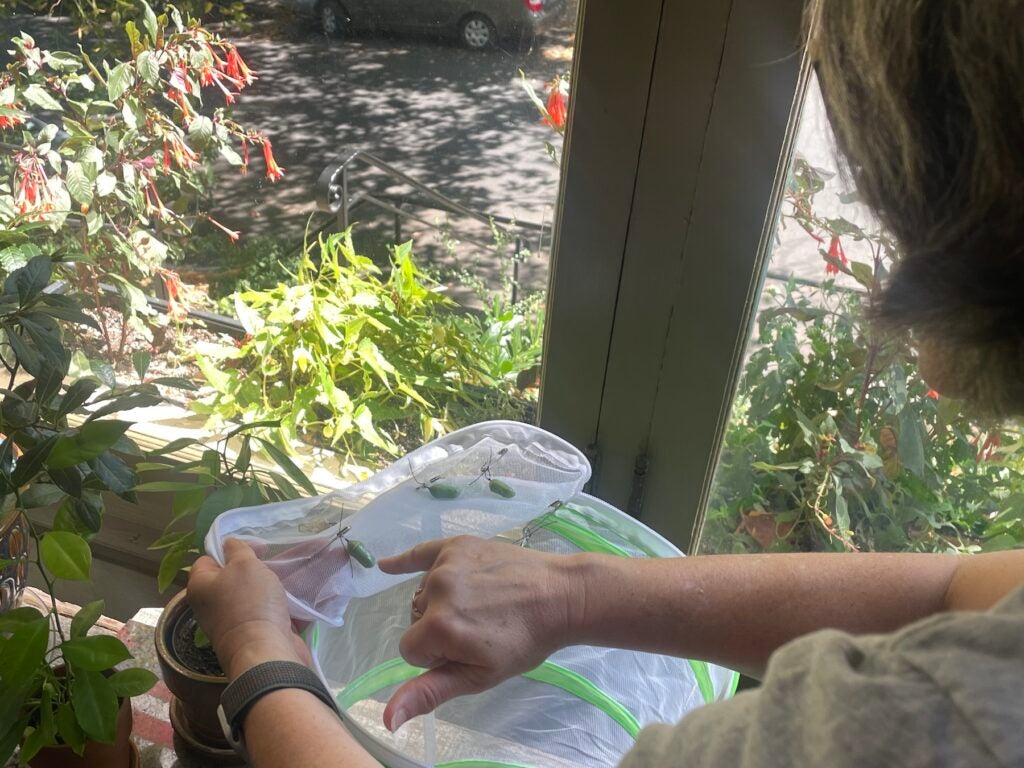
(835, 442)
(214, 159)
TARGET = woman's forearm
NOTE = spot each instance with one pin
(290, 727)
(735, 610)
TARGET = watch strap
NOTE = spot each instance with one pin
(258, 681)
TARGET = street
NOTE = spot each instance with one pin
(457, 120)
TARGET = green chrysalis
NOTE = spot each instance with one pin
(360, 553)
(501, 488)
(443, 491)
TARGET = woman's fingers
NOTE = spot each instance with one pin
(419, 558)
(430, 690)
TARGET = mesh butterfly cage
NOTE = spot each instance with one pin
(584, 706)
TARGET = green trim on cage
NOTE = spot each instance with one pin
(583, 538)
(733, 685)
(395, 671)
(576, 684)
(704, 682)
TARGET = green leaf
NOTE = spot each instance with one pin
(218, 502)
(92, 439)
(66, 555)
(862, 274)
(140, 361)
(149, 67)
(171, 564)
(79, 185)
(126, 403)
(29, 281)
(175, 382)
(15, 618)
(295, 474)
(87, 615)
(38, 96)
(158, 486)
(41, 495)
(95, 653)
(251, 426)
(77, 395)
(115, 474)
(149, 22)
(9, 740)
(22, 654)
(911, 444)
(200, 131)
(132, 682)
(120, 79)
(68, 729)
(32, 461)
(244, 457)
(95, 705)
(174, 446)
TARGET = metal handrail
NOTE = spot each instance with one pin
(333, 196)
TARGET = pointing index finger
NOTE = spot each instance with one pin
(419, 558)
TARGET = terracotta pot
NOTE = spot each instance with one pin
(194, 712)
(13, 546)
(121, 754)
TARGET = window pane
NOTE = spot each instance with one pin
(435, 131)
(835, 442)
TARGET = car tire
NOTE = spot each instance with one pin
(333, 19)
(477, 32)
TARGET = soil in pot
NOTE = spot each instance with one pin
(201, 660)
(121, 754)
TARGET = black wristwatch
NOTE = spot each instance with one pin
(258, 681)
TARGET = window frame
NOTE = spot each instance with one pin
(647, 288)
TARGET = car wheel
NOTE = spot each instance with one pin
(333, 18)
(477, 31)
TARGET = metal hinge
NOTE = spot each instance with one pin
(636, 494)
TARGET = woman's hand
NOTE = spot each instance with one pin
(487, 611)
(243, 610)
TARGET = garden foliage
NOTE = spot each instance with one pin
(366, 362)
(835, 442)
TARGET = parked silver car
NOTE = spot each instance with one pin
(477, 23)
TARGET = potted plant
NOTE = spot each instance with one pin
(190, 670)
(62, 694)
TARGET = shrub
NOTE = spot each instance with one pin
(365, 363)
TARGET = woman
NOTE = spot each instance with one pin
(921, 657)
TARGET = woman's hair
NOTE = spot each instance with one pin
(926, 98)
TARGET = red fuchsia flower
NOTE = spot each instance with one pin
(177, 302)
(990, 447)
(31, 193)
(237, 69)
(12, 121)
(232, 234)
(178, 98)
(184, 156)
(557, 106)
(154, 204)
(932, 393)
(274, 171)
(835, 253)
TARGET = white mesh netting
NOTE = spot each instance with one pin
(583, 707)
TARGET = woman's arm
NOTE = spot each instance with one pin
(735, 610)
(243, 610)
(491, 611)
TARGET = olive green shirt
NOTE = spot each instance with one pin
(947, 691)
